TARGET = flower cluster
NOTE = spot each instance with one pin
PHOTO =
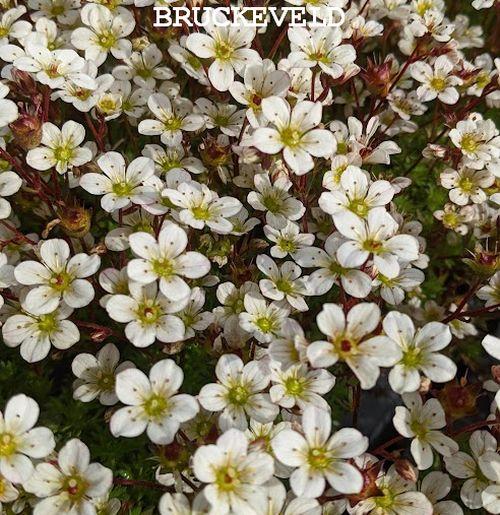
(251, 270)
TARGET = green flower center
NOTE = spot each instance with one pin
(358, 206)
(469, 143)
(419, 429)
(63, 154)
(122, 189)
(163, 267)
(266, 324)
(295, 386)
(287, 245)
(412, 358)
(342, 148)
(107, 40)
(172, 124)
(438, 83)
(466, 185)
(61, 281)
(201, 213)
(272, 203)
(148, 312)
(227, 479)
(223, 50)
(75, 486)
(155, 406)
(291, 137)
(372, 246)
(106, 381)
(284, 286)
(47, 323)
(318, 458)
(345, 347)
(8, 445)
(238, 395)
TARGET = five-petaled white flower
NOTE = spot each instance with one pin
(153, 404)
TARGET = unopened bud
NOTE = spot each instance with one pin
(75, 221)
(27, 131)
(406, 470)
(459, 399)
(24, 83)
(377, 77)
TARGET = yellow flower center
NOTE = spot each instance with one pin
(469, 143)
(155, 406)
(8, 445)
(438, 83)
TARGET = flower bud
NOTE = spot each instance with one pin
(484, 262)
(214, 153)
(27, 131)
(377, 77)
(24, 83)
(459, 399)
(406, 470)
(75, 221)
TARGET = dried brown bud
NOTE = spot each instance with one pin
(214, 154)
(406, 470)
(75, 221)
(459, 399)
(27, 131)
(100, 334)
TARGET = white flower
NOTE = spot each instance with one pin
(12, 27)
(491, 292)
(63, 11)
(172, 160)
(290, 347)
(165, 259)
(7, 491)
(437, 81)
(106, 32)
(20, 441)
(239, 393)
(149, 315)
(228, 46)
(347, 342)
(465, 466)
(72, 484)
(54, 67)
(419, 352)
(374, 236)
(489, 463)
(36, 333)
(320, 47)
(260, 81)
(10, 183)
(153, 404)
(284, 282)
(96, 375)
(8, 108)
(298, 386)
(144, 68)
(264, 321)
(420, 422)
(61, 148)
(396, 495)
(353, 281)
(294, 133)
(436, 486)
(234, 475)
(478, 140)
(225, 117)
(393, 289)
(202, 207)
(356, 194)
(318, 457)
(193, 316)
(288, 240)
(173, 117)
(466, 184)
(57, 278)
(121, 185)
(275, 200)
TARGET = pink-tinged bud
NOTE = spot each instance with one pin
(406, 470)
(370, 488)
(24, 83)
(99, 335)
(377, 77)
(27, 131)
